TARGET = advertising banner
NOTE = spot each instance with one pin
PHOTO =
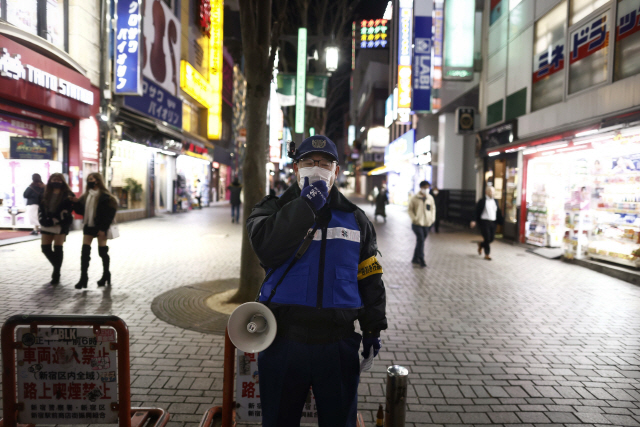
(248, 407)
(459, 29)
(373, 33)
(438, 39)
(286, 89)
(422, 64)
(157, 103)
(161, 55)
(20, 126)
(30, 148)
(67, 376)
(590, 38)
(216, 69)
(127, 76)
(317, 91)
(405, 40)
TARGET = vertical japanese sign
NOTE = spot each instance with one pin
(438, 38)
(216, 64)
(67, 376)
(405, 39)
(301, 80)
(422, 64)
(459, 27)
(157, 102)
(127, 72)
(248, 407)
(373, 33)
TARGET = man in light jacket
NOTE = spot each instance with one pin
(422, 210)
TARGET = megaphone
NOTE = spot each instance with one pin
(252, 327)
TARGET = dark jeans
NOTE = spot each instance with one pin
(421, 235)
(235, 212)
(488, 231)
(288, 368)
(436, 225)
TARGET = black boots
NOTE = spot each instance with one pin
(48, 252)
(57, 258)
(103, 251)
(84, 267)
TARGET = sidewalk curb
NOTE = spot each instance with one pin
(608, 269)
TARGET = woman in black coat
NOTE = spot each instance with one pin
(99, 208)
(33, 194)
(382, 200)
(54, 215)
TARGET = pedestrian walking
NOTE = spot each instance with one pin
(235, 188)
(98, 206)
(197, 192)
(439, 199)
(488, 216)
(422, 210)
(319, 251)
(33, 194)
(55, 218)
(382, 200)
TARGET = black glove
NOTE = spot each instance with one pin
(315, 194)
(369, 342)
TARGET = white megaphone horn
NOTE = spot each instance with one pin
(252, 327)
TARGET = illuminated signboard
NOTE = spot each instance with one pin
(127, 76)
(459, 23)
(422, 64)
(373, 33)
(405, 36)
(388, 111)
(436, 69)
(193, 83)
(301, 79)
(214, 120)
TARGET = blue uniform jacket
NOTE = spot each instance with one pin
(338, 279)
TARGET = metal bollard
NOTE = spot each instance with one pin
(395, 412)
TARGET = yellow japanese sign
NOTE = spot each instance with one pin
(194, 83)
(214, 122)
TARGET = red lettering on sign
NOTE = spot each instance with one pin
(30, 391)
(44, 355)
(60, 391)
(87, 354)
(58, 355)
(75, 391)
(29, 355)
(105, 389)
(45, 389)
(248, 389)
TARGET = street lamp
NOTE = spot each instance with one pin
(331, 56)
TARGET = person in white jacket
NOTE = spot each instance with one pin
(422, 210)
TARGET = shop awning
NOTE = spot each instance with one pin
(379, 171)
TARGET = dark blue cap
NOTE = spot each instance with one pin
(317, 144)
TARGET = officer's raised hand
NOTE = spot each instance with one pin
(315, 194)
(369, 342)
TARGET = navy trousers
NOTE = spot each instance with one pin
(288, 368)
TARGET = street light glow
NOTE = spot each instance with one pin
(331, 55)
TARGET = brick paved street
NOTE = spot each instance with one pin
(518, 340)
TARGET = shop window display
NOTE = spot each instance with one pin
(129, 177)
(43, 18)
(26, 148)
(585, 197)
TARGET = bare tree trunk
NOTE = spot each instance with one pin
(255, 18)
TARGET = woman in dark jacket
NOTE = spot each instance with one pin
(382, 200)
(54, 215)
(99, 208)
(33, 194)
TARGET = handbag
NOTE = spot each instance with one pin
(54, 229)
(113, 232)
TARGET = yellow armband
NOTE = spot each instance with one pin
(368, 267)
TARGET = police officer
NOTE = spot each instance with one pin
(319, 251)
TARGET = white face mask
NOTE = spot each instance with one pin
(423, 191)
(314, 174)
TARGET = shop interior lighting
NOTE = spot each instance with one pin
(552, 147)
(586, 133)
(512, 150)
(493, 153)
(346, 173)
(587, 141)
(580, 147)
(530, 151)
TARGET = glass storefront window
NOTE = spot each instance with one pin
(26, 148)
(129, 177)
(44, 18)
(580, 9)
(55, 23)
(627, 52)
(589, 53)
(584, 198)
(23, 14)
(548, 58)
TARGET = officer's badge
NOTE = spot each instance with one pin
(318, 143)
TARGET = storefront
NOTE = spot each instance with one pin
(46, 124)
(582, 194)
(400, 168)
(422, 161)
(165, 175)
(193, 176)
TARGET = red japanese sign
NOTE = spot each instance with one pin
(66, 376)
